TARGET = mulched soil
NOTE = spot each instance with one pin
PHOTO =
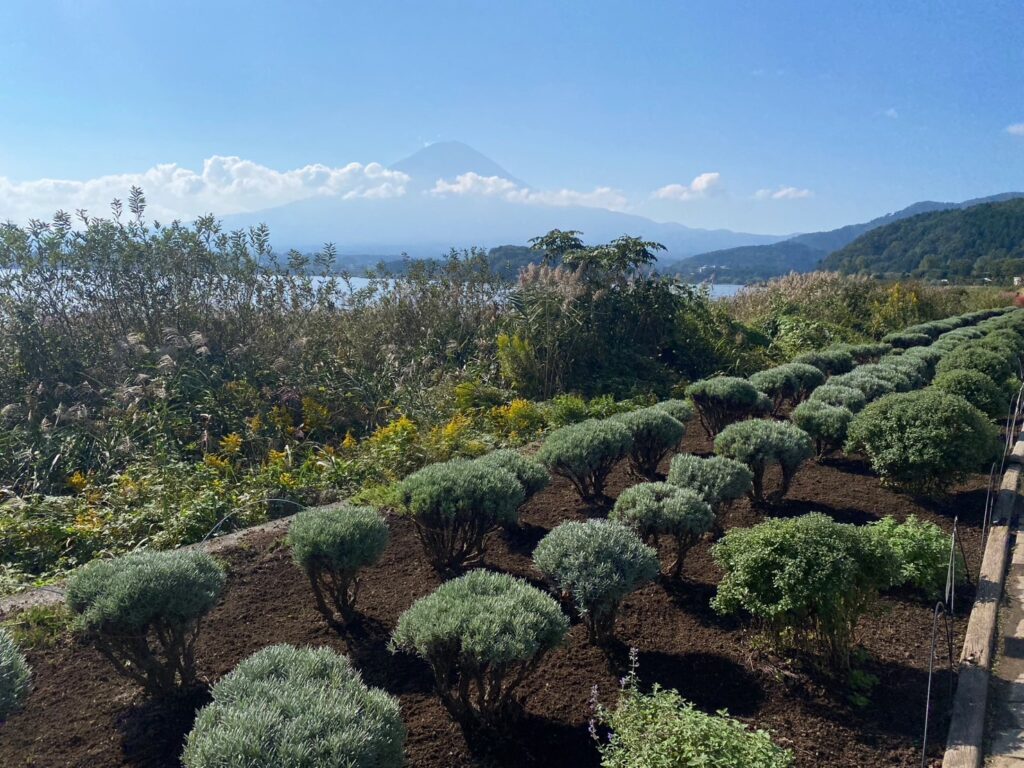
(81, 714)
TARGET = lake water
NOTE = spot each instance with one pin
(718, 290)
(724, 290)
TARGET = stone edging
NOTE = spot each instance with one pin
(965, 741)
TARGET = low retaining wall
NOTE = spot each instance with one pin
(965, 741)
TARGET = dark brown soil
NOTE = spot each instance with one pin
(80, 714)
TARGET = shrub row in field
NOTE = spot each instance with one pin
(900, 362)
(808, 580)
(594, 565)
(928, 438)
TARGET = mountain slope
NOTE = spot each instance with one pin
(437, 161)
(424, 225)
(750, 263)
(985, 240)
(761, 262)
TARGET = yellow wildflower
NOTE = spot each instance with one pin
(216, 462)
(231, 444)
(77, 482)
(314, 414)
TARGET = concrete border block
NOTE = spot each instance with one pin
(965, 741)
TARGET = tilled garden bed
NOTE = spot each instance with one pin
(80, 713)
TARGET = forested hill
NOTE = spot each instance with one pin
(802, 253)
(750, 263)
(981, 241)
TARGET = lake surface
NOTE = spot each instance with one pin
(724, 290)
(718, 290)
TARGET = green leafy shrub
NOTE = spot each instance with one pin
(805, 581)
(761, 443)
(482, 634)
(923, 441)
(717, 479)
(14, 675)
(517, 420)
(657, 510)
(142, 612)
(680, 410)
(922, 552)
(296, 707)
(567, 409)
(790, 382)
(596, 563)
(955, 339)
(930, 356)
(905, 339)
(864, 353)
(472, 395)
(1005, 339)
(455, 505)
(532, 475)
(603, 406)
(332, 544)
(826, 424)
(585, 454)
(1003, 344)
(871, 386)
(977, 389)
(779, 384)
(975, 358)
(831, 362)
(722, 400)
(663, 730)
(808, 377)
(933, 329)
(918, 369)
(839, 395)
(897, 379)
(655, 434)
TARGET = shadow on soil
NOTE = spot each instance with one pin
(153, 732)
(695, 597)
(530, 742)
(397, 673)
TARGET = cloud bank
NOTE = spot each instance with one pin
(473, 184)
(700, 187)
(1017, 129)
(225, 185)
(783, 193)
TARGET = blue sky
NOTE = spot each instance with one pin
(806, 115)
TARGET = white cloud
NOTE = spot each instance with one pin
(225, 185)
(495, 186)
(701, 186)
(476, 185)
(891, 113)
(1017, 129)
(783, 193)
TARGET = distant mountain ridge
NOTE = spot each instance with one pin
(977, 241)
(425, 225)
(804, 253)
(437, 161)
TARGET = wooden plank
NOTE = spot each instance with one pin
(964, 743)
(1017, 454)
